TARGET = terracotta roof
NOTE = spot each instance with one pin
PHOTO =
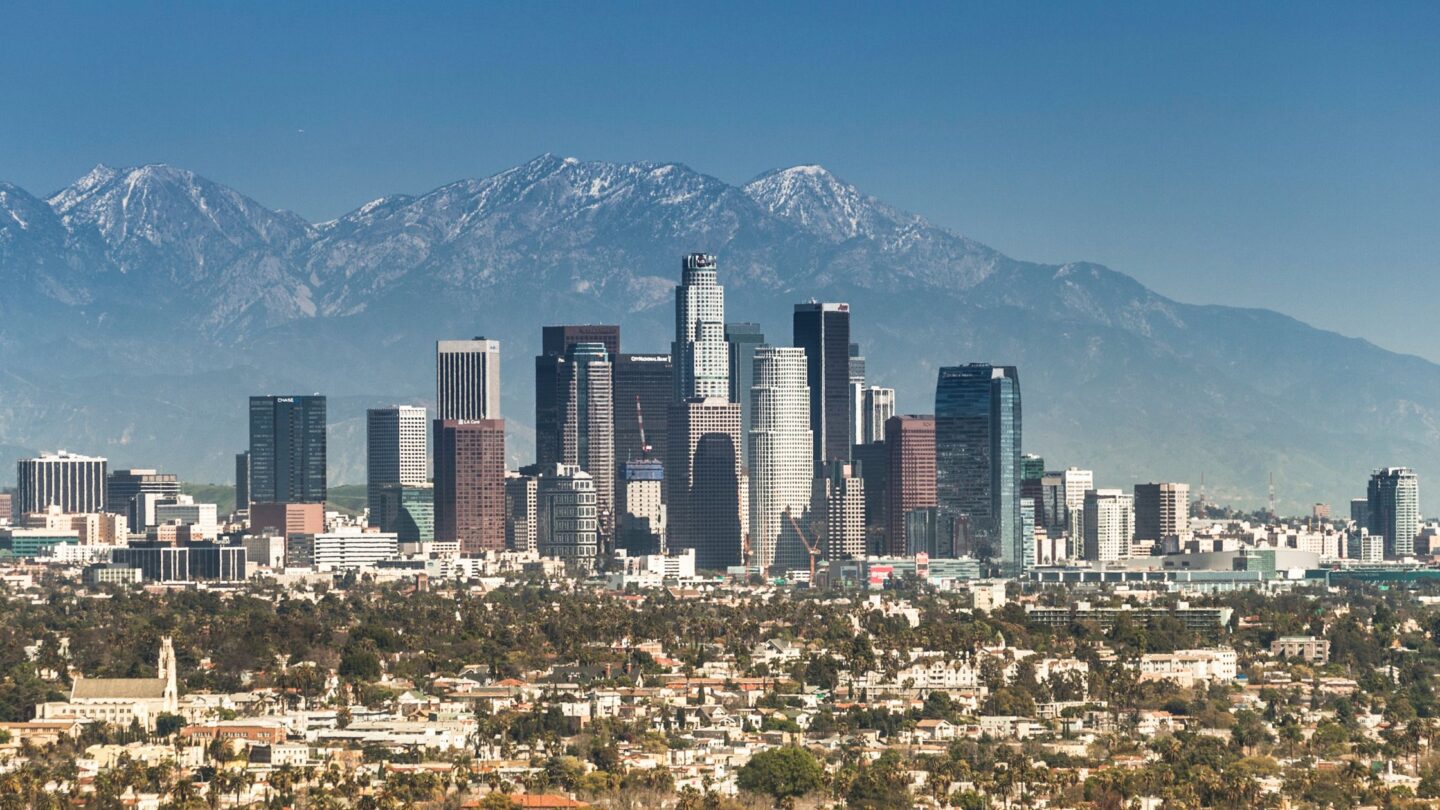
(118, 689)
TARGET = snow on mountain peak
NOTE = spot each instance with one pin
(814, 198)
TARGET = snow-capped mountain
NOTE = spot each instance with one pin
(142, 304)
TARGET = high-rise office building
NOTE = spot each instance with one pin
(1109, 524)
(123, 486)
(702, 357)
(7, 508)
(287, 449)
(644, 386)
(467, 379)
(1074, 483)
(877, 408)
(702, 477)
(840, 505)
(1162, 511)
(73, 482)
(910, 445)
(643, 524)
(857, 395)
(470, 484)
(742, 339)
(780, 468)
(588, 425)
(407, 511)
(977, 459)
(567, 523)
(521, 510)
(823, 331)
(1393, 509)
(1032, 475)
(395, 452)
(871, 462)
(1360, 512)
(242, 482)
(553, 379)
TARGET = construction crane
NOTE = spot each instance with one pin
(812, 549)
(640, 420)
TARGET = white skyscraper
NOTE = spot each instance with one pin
(781, 457)
(467, 379)
(1109, 524)
(702, 355)
(879, 406)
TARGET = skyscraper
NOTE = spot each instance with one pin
(642, 525)
(840, 504)
(407, 511)
(395, 452)
(871, 462)
(1161, 511)
(742, 339)
(910, 443)
(1109, 518)
(467, 379)
(823, 331)
(73, 482)
(702, 477)
(878, 407)
(470, 484)
(977, 458)
(780, 466)
(648, 379)
(1393, 509)
(701, 354)
(588, 424)
(552, 381)
(287, 449)
(567, 526)
(857, 395)
(521, 510)
(242, 482)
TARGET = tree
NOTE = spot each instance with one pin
(883, 785)
(783, 773)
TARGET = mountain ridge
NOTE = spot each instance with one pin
(148, 272)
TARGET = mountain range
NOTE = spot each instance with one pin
(141, 305)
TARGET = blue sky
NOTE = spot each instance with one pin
(1281, 155)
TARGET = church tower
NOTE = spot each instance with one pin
(166, 671)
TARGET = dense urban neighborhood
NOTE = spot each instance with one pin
(518, 690)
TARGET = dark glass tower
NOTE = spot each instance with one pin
(977, 459)
(742, 338)
(823, 331)
(287, 449)
(552, 382)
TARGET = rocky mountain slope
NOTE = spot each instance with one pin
(143, 304)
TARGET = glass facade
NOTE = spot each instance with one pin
(287, 449)
(978, 460)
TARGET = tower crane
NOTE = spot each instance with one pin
(812, 549)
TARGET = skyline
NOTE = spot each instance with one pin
(1251, 158)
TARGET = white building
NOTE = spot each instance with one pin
(121, 701)
(183, 509)
(840, 503)
(702, 356)
(879, 407)
(1109, 517)
(781, 458)
(467, 379)
(347, 548)
(1188, 667)
(567, 526)
(73, 482)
